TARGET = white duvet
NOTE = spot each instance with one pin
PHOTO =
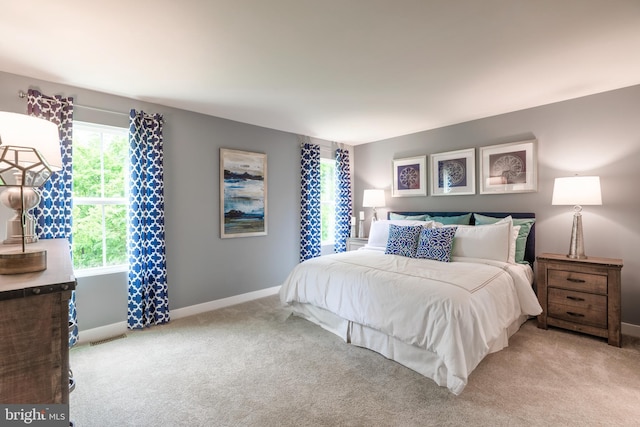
(459, 310)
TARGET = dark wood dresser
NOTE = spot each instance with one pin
(582, 295)
(34, 328)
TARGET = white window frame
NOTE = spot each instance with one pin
(103, 201)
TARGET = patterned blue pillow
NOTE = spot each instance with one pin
(403, 240)
(436, 243)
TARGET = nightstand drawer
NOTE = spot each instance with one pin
(579, 307)
(583, 282)
(355, 243)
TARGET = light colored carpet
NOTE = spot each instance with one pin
(254, 365)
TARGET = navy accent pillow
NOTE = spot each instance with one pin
(403, 240)
(436, 243)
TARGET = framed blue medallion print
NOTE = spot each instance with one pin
(410, 177)
(509, 168)
(453, 173)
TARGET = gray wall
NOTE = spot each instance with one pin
(201, 266)
(599, 135)
(595, 135)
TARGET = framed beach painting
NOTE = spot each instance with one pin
(453, 173)
(509, 168)
(243, 193)
(410, 177)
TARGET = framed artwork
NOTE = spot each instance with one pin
(509, 168)
(453, 173)
(243, 193)
(410, 177)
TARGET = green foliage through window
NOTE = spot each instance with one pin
(327, 201)
(99, 196)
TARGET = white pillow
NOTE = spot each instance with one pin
(514, 237)
(492, 241)
(379, 231)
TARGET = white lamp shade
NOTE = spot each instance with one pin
(20, 130)
(577, 190)
(373, 199)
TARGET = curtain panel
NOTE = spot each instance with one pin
(148, 299)
(53, 213)
(310, 218)
(343, 200)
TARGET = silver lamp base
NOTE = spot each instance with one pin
(14, 230)
(576, 246)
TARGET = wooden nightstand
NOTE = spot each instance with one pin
(580, 294)
(355, 243)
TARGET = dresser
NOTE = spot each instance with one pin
(581, 295)
(34, 328)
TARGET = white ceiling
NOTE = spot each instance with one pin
(351, 71)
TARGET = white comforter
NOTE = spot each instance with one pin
(457, 310)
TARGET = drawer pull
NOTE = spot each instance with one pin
(571, 279)
(570, 313)
(572, 298)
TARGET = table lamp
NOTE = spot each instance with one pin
(373, 199)
(29, 154)
(577, 191)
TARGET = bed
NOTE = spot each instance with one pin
(433, 291)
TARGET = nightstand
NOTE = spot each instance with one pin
(355, 243)
(581, 295)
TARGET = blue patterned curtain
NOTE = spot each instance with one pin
(53, 214)
(148, 302)
(343, 200)
(310, 219)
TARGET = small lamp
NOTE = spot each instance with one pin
(373, 199)
(29, 154)
(577, 191)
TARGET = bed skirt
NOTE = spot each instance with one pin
(423, 361)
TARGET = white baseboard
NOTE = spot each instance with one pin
(631, 330)
(103, 332)
(221, 303)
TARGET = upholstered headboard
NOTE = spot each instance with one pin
(530, 248)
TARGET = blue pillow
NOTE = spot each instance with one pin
(436, 243)
(521, 241)
(403, 240)
(449, 220)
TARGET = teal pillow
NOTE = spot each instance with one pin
(452, 220)
(436, 243)
(403, 240)
(521, 242)
(393, 215)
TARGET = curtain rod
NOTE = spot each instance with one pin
(23, 95)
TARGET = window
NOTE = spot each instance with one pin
(100, 164)
(327, 201)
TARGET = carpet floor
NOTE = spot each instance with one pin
(255, 365)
